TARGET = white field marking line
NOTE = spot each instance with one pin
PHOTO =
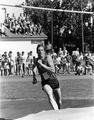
(64, 98)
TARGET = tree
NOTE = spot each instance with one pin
(68, 21)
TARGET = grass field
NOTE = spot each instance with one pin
(19, 97)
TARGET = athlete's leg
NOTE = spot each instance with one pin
(58, 97)
(49, 92)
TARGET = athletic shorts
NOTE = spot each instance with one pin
(53, 83)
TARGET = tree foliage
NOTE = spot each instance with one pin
(67, 21)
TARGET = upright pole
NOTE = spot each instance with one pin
(52, 29)
(82, 29)
(4, 12)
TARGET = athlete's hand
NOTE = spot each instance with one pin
(40, 61)
(34, 81)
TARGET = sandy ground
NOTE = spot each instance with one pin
(65, 114)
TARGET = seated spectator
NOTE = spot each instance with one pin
(7, 21)
(22, 25)
(31, 27)
(39, 29)
(35, 30)
(12, 27)
(13, 17)
(92, 61)
(2, 29)
(88, 68)
(80, 69)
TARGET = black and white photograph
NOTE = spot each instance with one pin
(46, 59)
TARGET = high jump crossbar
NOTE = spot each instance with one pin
(48, 9)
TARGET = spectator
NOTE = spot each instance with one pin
(29, 65)
(23, 64)
(1, 65)
(60, 51)
(65, 51)
(88, 68)
(63, 61)
(22, 25)
(11, 63)
(58, 63)
(49, 46)
(53, 54)
(7, 21)
(75, 55)
(6, 64)
(2, 29)
(68, 62)
(18, 61)
(80, 69)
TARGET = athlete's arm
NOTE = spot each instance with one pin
(51, 67)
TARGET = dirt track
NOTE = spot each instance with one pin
(19, 97)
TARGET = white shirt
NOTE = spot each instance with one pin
(58, 60)
(75, 53)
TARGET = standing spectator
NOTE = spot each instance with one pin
(63, 61)
(11, 63)
(75, 54)
(60, 52)
(68, 62)
(6, 64)
(55, 64)
(58, 62)
(18, 61)
(23, 64)
(31, 62)
(53, 54)
(1, 65)
(27, 64)
(65, 51)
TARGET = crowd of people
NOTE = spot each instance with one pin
(21, 25)
(17, 66)
(78, 62)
